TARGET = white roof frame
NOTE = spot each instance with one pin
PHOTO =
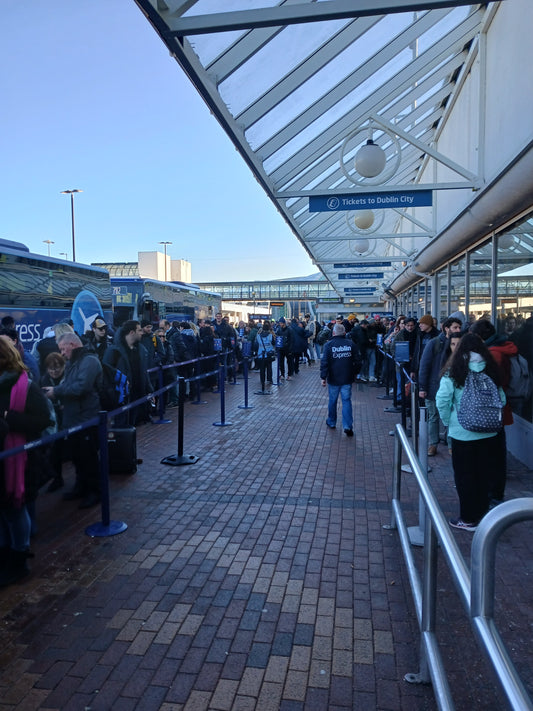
(291, 132)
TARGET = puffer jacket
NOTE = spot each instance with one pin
(79, 389)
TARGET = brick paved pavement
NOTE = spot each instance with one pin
(258, 578)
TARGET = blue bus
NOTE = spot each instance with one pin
(139, 298)
(39, 291)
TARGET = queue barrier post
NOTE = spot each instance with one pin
(221, 382)
(106, 527)
(246, 350)
(180, 459)
(417, 533)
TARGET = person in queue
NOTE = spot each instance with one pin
(265, 353)
(97, 339)
(429, 372)
(24, 414)
(154, 349)
(79, 394)
(341, 361)
(55, 372)
(475, 455)
(227, 335)
(48, 343)
(129, 355)
(285, 354)
(502, 350)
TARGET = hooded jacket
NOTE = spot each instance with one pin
(501, 351)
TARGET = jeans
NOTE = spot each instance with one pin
(345, 392)
(15, 528)
(433, 422)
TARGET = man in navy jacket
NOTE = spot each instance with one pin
(340, 363)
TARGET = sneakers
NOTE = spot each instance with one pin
(462, 525)
(331, 427)
(371, 379)
(432, 450)
(348, 433)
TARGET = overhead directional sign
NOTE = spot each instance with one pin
(361, 265)
(362, 275)
(371, 201)
(360, 291)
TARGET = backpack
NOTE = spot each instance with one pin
(480, 409)
(519, 381)
(115, 390)
(268, 349)
(323, 336)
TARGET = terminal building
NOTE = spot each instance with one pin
(394, 138)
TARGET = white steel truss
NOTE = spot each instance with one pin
(289, 81)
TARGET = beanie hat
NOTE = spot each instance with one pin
(427, 319)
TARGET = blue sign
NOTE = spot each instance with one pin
(361, 265)
(371, 201)
(367, 275)
(279, 341)
(217, 343)
(360, 290)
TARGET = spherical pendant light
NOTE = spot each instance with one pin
(364, 219)
(506, 241)
(370, 160)
(361, 246)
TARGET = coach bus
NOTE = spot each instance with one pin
(139, 298)
(39, 291)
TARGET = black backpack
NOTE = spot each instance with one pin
(115, 390)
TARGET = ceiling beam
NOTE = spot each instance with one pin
(297, 14)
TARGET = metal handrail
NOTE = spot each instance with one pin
(475, 588)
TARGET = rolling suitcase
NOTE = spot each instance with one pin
(122, 450)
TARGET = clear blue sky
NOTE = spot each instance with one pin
(92, 100)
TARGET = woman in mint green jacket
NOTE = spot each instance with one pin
(474, 454)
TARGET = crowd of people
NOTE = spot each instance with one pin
(61, 383)
(439, 361)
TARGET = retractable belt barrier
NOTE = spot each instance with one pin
(108, 527)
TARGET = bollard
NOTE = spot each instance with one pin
(106, 527)
(221, 381)
(180, 459)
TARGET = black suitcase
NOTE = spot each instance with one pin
(122, 450)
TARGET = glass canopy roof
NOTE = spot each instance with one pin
(301, 86)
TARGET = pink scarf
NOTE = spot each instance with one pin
(15, 466)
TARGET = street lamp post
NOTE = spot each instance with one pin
(165, 246)
(71, 193)
(48, 242)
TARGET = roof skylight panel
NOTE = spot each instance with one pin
(275, 60)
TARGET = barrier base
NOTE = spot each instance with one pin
(100, 530)
(161, 422)
(245, 407)
(180, 460)
(262, 392)
(385, 397)
(199, 402)
(392, 409)
(222, 424)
